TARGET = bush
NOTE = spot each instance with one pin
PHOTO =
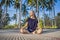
(50, 26)
(40, 24)
(54, 26)
(10, 26)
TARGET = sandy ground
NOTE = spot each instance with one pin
(14, 34)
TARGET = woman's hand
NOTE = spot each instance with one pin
(26, 25)
(39, 31)
(22, 29)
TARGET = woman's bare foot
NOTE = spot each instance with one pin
(23, 31)
(34, 32)
(39, 31)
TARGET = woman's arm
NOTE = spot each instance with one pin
(26, 24)
(39, 26)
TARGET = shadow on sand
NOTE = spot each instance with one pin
(50, 30)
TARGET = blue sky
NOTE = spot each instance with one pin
(11, 10)
(57, 7)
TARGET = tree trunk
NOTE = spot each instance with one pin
(5, 17)
(5, 12)
(54, 15)
(51, 15)
(51, 18)
(43, 17)
(16, 17)
(20, 13)
(37, 9)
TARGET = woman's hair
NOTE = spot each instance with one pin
(30, 16)
(34, 14)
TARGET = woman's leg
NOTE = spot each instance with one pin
(24, 31)
(39, 31)
(34, 32)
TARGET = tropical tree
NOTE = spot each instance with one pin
(24, 9)
(47, 20)
(7, 20)
(54, 1)
(35, 4)
(31, 3)
(43, 6)
(16, 6)
(58, 14)
(50, 7)
(0, 11)
(6, 4)
(1, 16)
(15, 18)
(57, 18)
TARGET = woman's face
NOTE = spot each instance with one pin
(31, 13)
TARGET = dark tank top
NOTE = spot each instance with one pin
(32, 24)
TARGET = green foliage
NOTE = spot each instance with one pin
(7, 4)
(50, 26)
(54, 26)
(59, 14)
(16, 4)
(29, 2)
(10, 27)
(40, 24)
(6, 19)
(24, 21)
(14, 17)
(33, 2)
(57, 18)
(0, 11)
(41, 3)
(25, 12)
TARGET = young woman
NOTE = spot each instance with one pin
(31, 25)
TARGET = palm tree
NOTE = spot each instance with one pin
(25, 12)
(0, 11)
(24, 9)
(35, 4)
(1, 16)
(20, 13)
(6, 4)
(58, 14)
(54, 15)
(43, 6)
(7, 19)
(57, 18)
(14, 18)
(50, 7)
(16, 6)
(31, 3)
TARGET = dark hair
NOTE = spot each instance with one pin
(30, 16)
(34, 14)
